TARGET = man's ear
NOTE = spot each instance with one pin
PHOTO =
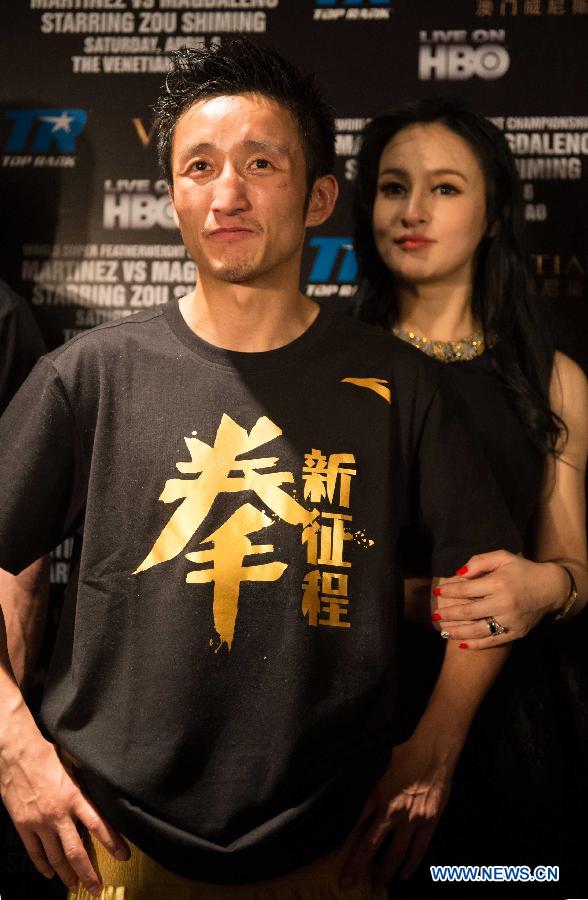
(323, 197)
(170, 194)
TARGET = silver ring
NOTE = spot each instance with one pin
(494, 627)
(445, 635)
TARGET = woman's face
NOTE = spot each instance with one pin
(429, 214)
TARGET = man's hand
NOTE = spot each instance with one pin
(45, 804)
(405, 805)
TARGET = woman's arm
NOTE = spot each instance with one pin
(407, 801)
(561, 532)
(517, 592)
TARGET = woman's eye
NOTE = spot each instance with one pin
(447, 189)
(391, 188)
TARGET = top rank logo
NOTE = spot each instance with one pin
(358, 10)
(43, 137)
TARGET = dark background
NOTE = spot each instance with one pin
(79, 181)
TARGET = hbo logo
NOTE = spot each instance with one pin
(137, 211)
(458, 62)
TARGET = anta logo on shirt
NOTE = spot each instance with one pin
(229, 555)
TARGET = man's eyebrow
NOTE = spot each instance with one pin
(399, 171)
(259, 146)
(267, 147)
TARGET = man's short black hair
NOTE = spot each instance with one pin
(239, 67)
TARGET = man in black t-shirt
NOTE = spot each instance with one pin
(23, 597)
(242, 463)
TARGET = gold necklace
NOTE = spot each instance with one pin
(445, 351)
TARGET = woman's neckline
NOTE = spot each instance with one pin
(463, 350)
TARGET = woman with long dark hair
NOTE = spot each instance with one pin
(439, 238)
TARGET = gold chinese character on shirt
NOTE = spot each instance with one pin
(325, 599)
(327, 480)
(230, 546)
(321, 475)
(215, 470)
(325, 540)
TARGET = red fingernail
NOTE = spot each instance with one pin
(462, 571)
(436, 617)
(463, 646)
(437, 592)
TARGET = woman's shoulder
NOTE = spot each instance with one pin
(568, 396)
(569, 384)
(568, 367)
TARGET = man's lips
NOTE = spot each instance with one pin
(414, 241)
(230, 234)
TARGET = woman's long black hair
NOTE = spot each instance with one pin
(501, 301)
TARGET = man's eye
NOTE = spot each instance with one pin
(200, 165)
(261, 164)
(391, 188)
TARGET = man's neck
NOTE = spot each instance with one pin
(245, 318)
(437, 312)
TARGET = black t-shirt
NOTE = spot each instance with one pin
(21, 343)
(225, 668)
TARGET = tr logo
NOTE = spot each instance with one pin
(335, 260)
(45, 129)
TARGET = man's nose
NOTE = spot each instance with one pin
(230, 193)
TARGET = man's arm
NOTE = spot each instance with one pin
(408, 800)
(40, 796)
(37, 435)
(24, 600)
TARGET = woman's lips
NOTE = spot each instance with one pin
(414, 242)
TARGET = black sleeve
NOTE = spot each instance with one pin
(41, 498)
(462, 508)
(21, 345)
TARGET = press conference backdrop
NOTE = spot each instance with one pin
(87, 233)
(86, 229)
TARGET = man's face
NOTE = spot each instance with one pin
(239, 189)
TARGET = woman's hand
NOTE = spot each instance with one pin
(514, 591)
(405, 805)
